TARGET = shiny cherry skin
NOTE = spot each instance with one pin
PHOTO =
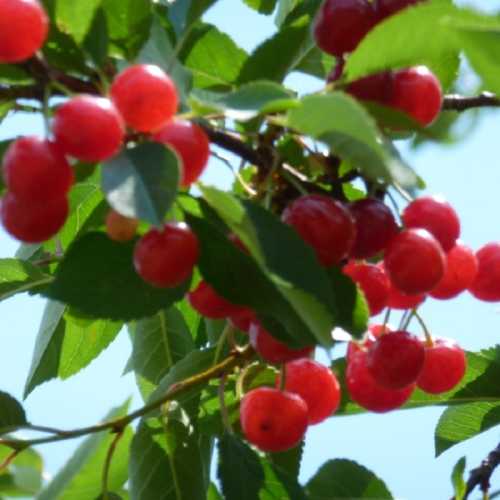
(88, 128)
(325, 224)
(165, 258)
(386, 8)
(460, 272)
(316, 385)
(395, 360)
(373, 333)
(376, 88)
(206, 301)
(191, 144)
(375, 227)
(33, 221)
(341, 24)
(414, 261)
(273, 420)
(23, 29)
(272, 350)
(373, 282)
(145, 96)
(34, 169)
(486, 285)
(436, 215)
(243, 319)
(120, 228)
(400, 301)
(444, 366)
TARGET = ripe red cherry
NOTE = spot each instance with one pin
(145, 96)
(165, 258)
(341, 24)
(33, 221)
(417, 92)
(444, 366)
(273, 350)
(436, 215)
(243, 319)
(23, 29)
(325, 224)
(88, 128)
(460, 272)
(316, 385)
(414, 261)
(486, 285)
(375, 227)
(401, 301)
(34, 169)
(373, 333)
(120, 228)
(206, 301)
(395, 360)
(386, 8)
(373, 282)
(191, 143)
(376, 88)
(273, 420)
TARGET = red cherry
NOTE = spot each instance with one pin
(376, 88)
(341, 24)
(315, 384)
(401, 301)
(243, 319)
(325, 224)
(417, 92)
(206, 301)
(272, 350)
(88, 128)
(395, 360)
(375, 227)
(486, 285)
(191, 143)
(34, 169)
(460, 272)
(373, 333)
(414, 261)
(444, 366)
(386, 8)
(337, 70)
(436, 215)
(23, 29)
(145, 96)
(166, 258)
(373, 282)
(33, 221)
(120, 228)
(273, 420)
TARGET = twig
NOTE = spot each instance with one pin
(481, 475)
(456, 102)
(107, 464)
(9, 459)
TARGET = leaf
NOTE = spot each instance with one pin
(346, 479)
(262, 6)
(96, 42)
(457, 479)
(17, 276)
(142, 182)
(23, 476)
(12, 414)
(316, 63)
(183, 14)
(290, 460)
(75, 17)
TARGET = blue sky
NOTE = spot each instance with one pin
(397, 446)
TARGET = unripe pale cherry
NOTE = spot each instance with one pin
(166, 257)
(323, 223)
(486, 285)
(120, 228)
(145, 96)
(206, 301)
(273, 420)
(386, 8)
(23, 29)
(192, 145)
(35, 169)
(88, 128)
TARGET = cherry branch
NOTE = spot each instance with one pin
(480, 476)
(456, 102)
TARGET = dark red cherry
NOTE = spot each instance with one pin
(337, 71)
(206, 301)
(242, 319)
(376, 88)
(486, 285)
(373, 333)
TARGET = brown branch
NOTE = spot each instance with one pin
(455, 102)
(480, 476)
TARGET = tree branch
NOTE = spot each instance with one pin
(481, 475)
(455, 102)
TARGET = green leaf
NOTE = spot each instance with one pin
(457, 479)
(346, 479)
(263, 6)
(96, 42)
(183, 14)
(23, 476)
(12, 415)
(17, 276)
(316, 63)
(290, 460)
(213, 493)
(13, 75)
(75, 17)
(97, 277)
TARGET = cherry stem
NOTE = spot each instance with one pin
(428, 336)
(9, 459)
(386, 319)
(405, 320)
(107, 464)
(227, 334)
(222, 403)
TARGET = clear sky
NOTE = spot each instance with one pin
(397, 446)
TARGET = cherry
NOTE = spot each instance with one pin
(375, 227)
(436, 215)
(486, 285)
(399, 300)
(33, 221)
(341, 24)
(272, 350)
(273, 420)
(336, 73)
(376, 88)
(206, 301)
(23, 29)
(373, 282)
(444, 366)
(191, 143)
(34, 169)
(166, 257)
(88, 128)
(386, 8)
(243, 319)
(373, 333)
(145, 96)
(315, 384)
(120, 228)
(414, 261)
(325, 224)
(395, 360)
(460, 272)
